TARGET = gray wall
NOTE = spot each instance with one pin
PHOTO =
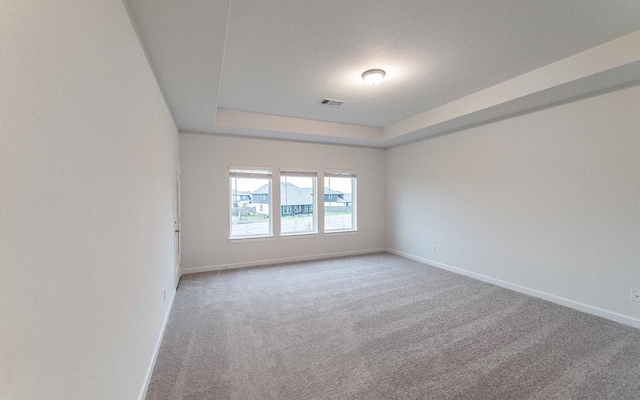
(87, 155)
(205, 199)
(547, 203)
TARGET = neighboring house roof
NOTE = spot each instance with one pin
(264, 189)
(331, 191)
(291, 195)
(241, 193)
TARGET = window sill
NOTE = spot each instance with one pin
(338, 233)
(250, 239)
(290, 236)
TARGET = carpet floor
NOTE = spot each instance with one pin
(380, 326)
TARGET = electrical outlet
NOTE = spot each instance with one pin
(434, 248)
(223, 252)
(635, 294)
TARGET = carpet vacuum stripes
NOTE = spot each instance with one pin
(380, 326)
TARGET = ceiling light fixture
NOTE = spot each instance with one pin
(373, 76)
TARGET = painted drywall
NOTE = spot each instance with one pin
(547, 201)
(205, 161)
(87, 153)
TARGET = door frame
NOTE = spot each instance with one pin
(177, 223)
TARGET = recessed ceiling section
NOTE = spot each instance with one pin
(281, 55)
(604, 67)
(261, 68)
(280, 127)
(615, 63)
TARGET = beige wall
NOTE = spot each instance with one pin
(86, 250)
(205, 199)
(547, 203)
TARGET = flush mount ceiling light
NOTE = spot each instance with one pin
(373, 76)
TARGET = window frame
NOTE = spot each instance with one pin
(354, 198)
(236, 172)
(299, 172)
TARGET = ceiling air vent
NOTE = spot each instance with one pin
(332, 102)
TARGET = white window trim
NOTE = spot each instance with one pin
(249, 171)
(288, 236)
(250, 239)
(309, 172)
(342, 232)
(354, 198)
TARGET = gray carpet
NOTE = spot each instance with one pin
(383, 327)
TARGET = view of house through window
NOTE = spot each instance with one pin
(339, 202)
(252, 209)
(298, 202)
(250, 203)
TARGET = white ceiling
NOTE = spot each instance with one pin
(449, 63)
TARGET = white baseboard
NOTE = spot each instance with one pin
(278, 261)
(623, 319)
(152, 363)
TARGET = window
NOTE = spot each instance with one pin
(298, 202)
(339, 201)
(250, 204)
